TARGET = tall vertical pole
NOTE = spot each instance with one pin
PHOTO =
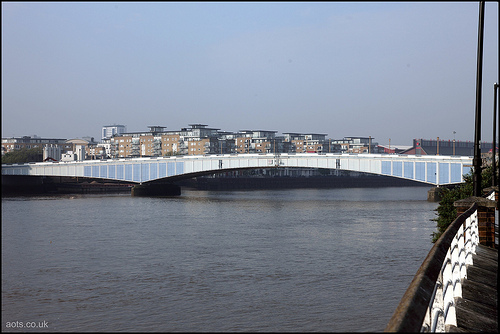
(494, 179)
(454, 142)
(479, 79)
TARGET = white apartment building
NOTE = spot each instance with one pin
(108, 131)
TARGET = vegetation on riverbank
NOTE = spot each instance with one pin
(446, 211)
(23, 155)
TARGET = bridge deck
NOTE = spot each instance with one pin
(477, 310)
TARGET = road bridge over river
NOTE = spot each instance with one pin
(433, 170)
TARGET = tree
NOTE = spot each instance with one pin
(23, 155)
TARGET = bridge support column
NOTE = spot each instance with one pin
(485, 217)
(434, 194)
(156, 190)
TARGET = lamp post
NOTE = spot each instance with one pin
(476, 179)
(454, 142)
(494, 179)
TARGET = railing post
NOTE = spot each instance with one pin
(449, 274)
(485, 217)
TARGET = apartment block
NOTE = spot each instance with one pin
(170, 144)
(307, 142)
(197, 139)
(121, 146)
(108, 131)
(354, 145)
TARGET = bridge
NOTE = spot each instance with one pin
(434, 170)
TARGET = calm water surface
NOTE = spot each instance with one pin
(278, 260)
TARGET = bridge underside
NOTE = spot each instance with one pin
(29, 185)
(377, 179)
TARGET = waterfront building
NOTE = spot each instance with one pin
(198, 139)
(226, 142)
(105, 147)
(85, 149)
(257, 141)
(198, 131)
(121, 146)
(307, 143)
(243, 143)
(170, 144)
(354, 145)
(108, 131)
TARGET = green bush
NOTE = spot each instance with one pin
(23, 155)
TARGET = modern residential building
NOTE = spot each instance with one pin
(257, 141)
(108, 131)
(84, 149)
(198, 139)
(307, 143)
(354, 145)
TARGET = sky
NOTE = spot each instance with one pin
(394, 71)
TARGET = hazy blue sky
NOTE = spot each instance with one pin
(387, 70)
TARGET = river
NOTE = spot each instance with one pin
(336, 260)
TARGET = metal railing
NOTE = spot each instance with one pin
(428, 304)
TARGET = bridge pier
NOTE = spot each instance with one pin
(434, 194)
(156, 190)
